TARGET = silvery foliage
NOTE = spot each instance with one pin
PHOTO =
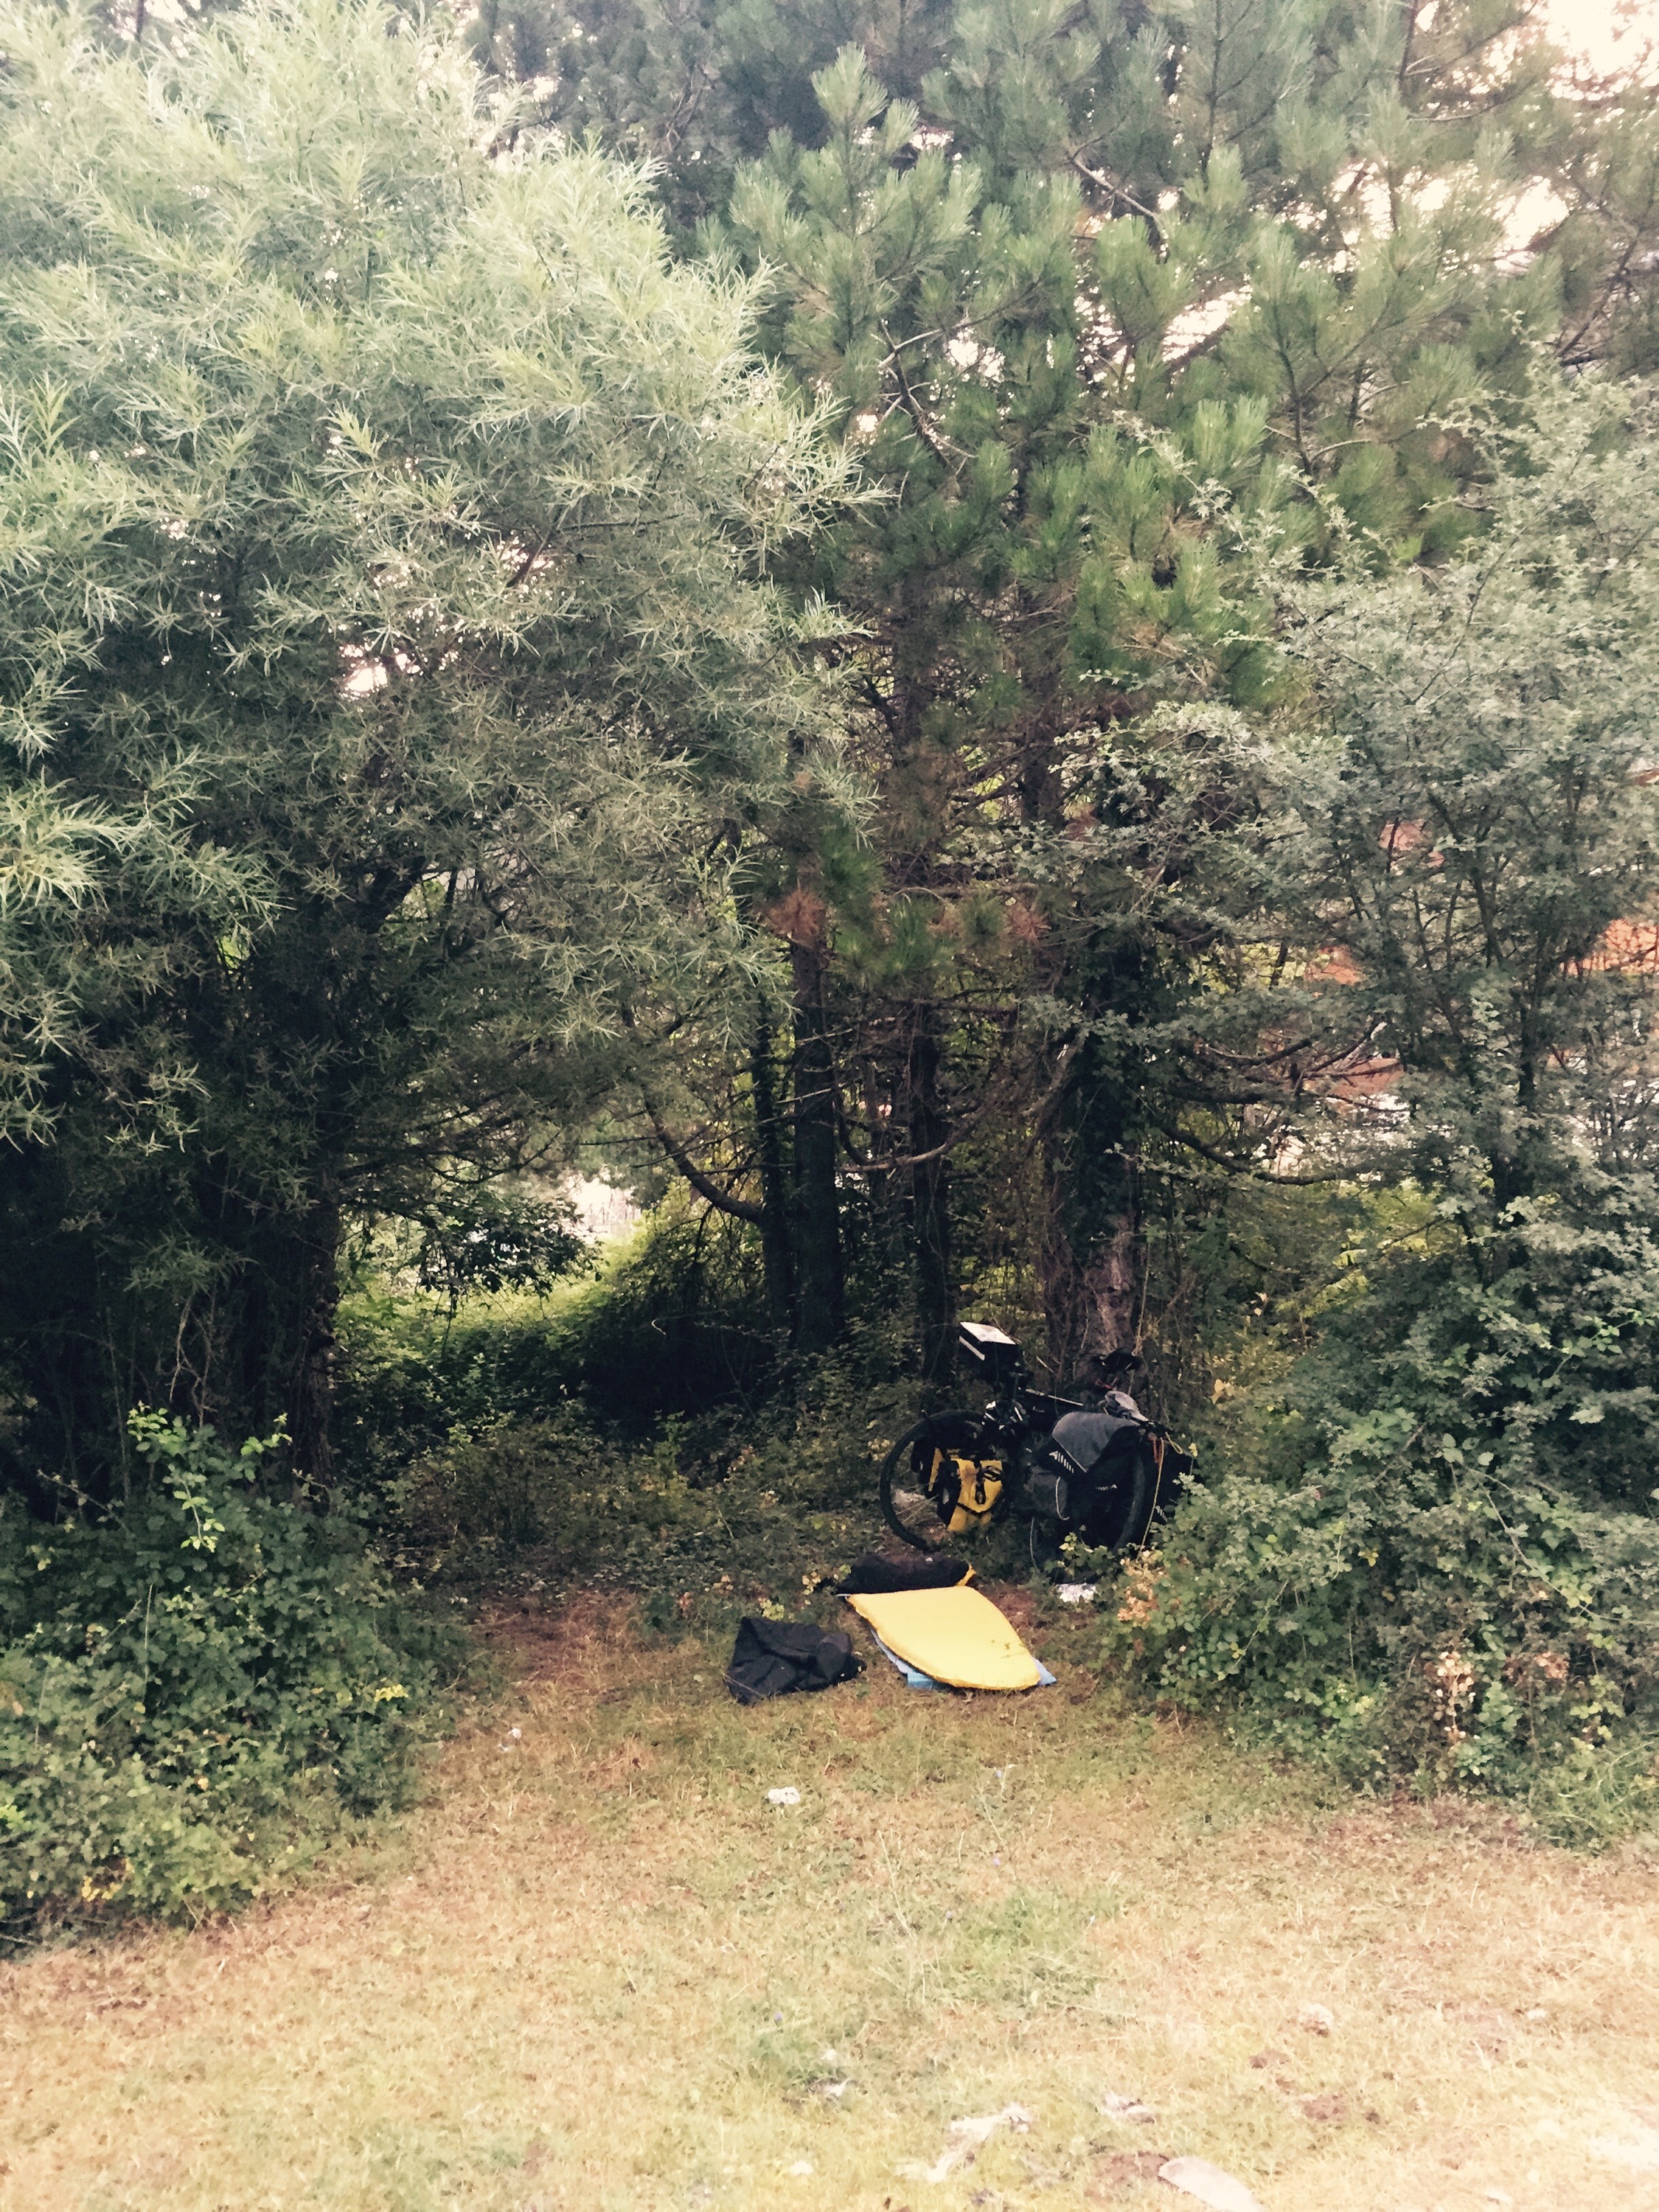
(383, 522)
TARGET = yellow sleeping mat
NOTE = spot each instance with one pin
(957, 1636)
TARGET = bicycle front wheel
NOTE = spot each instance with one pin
(920, 1480)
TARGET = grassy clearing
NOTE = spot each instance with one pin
(598, 1970)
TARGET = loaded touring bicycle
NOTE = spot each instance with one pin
(1096, 1467)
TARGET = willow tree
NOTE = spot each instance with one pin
(387, 677)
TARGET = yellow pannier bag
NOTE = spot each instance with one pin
(980, 1486)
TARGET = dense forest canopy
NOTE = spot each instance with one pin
(378, 660)
(1118, 307)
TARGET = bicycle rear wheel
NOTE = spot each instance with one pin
(918, 1484)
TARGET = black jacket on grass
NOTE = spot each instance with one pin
(772, 1657)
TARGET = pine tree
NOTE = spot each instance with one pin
(1467, 821)
(1106, 300)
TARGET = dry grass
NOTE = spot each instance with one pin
(600, 1970)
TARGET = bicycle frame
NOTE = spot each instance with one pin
(1025, 1417)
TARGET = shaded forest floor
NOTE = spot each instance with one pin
(599, 1970)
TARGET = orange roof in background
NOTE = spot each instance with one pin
(1632, 947)
(1627, 947)
(1333, 963)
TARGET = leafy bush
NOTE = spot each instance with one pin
(639, 1432)
(1430, 1553)
(483, 1238)
(196, 1690)
(677, 1327)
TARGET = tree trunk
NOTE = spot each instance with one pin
(1091, 1299)
(777, 1252)
(930, 1204)
(818, 1224)
(1059, 1278)
(314, 1257)
(1092, 1261)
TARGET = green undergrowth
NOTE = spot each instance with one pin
(665, 1324)
(508, 1447)
(200, 1689)
(1425, 1552)
(1493, 1644)
(1342, 1586)
(752, 1515)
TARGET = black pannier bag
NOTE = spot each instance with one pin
(879, 1574)
(1097, 1474)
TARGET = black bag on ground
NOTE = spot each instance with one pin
(770, 1658)
(878, 1574)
